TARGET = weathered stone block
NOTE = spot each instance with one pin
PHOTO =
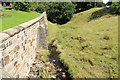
(16, 55)
(13, 72)
(1, 62)
(15, 40)
(9, 66)
(15, 63)
(21, 33)
(11, 31)
(28, 24)
(9, 49)
(17, 47)
(2, 46)
(18, 66)
(19, 27)
(2, 54)
(6, 59)
(12, 57)
(3, 36)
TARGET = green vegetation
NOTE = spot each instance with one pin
(88, 43)
(13, 18)
(45, 53)
(99, 13)
(57, 12)
(88, 48)
(82, 6)
(22, 6)
(62, 12)
(115, 9)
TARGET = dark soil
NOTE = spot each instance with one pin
(62, 69)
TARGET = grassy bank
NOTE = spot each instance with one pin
(88, 47)
(88, 43)
(13, 18)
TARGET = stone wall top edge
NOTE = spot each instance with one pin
(12, 31)
(33, 21)
(3, 36)
(9, 32)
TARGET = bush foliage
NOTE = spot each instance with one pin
(60, 12)
(82, 6)
(115, 9)
(23, 6)
(57, 12)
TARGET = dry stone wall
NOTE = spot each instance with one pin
(18, 46)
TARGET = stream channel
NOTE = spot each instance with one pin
(62, 70)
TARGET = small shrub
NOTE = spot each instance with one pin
(57, 12)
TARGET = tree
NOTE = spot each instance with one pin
(42, 6)
(34, 6)
(60, 12)
(115, 8)
(82, 6)
(57, 12)
(23, 6)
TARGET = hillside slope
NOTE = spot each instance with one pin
(88, 47)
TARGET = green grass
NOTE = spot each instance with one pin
(14, 18)
(89, 48)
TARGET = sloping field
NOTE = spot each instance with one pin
(88, 47)
(11, 18)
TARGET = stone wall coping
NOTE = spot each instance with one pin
(31, 22)
(4, 35)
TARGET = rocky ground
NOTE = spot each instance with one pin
(42, 68)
